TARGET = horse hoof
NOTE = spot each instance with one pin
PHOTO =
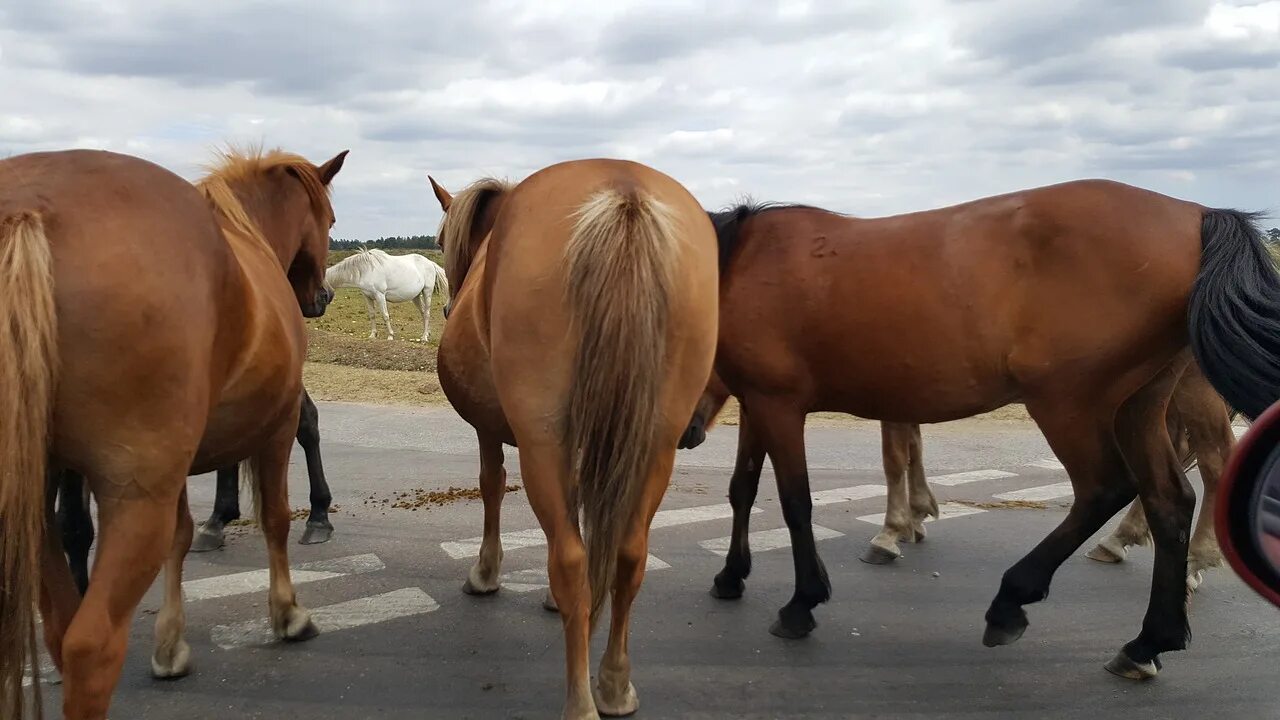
(476, 585)
(997, 635)
(177, 666)
(918, 534)
(316, 533)
(549, 602)
(622, 706)
(1107, 551)
(299, 627)
(876, 555)
(1126, 667)
(793, 626)
(207, 541)
(1195, 580)
(727, 588)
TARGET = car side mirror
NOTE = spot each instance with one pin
(1247, 521)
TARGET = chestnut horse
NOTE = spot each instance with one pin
(1029, 296)
(192, 364)
(582, 331)
(1199, 425)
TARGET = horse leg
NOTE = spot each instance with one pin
(730, 582)
(135, 535)
(318, 529)
(373, 324)
(1132, 530)
(59, 593)
(1212, 439)
(1083, 437)
(483, 578)
(923, 502)
(895, 441)
(289, 620)
(615, 695)
(781, 430)
(386, 316)
(172, 656)
(1169, 502)
(76, 524)
(423, 302)
(543, 468)
(211, 534)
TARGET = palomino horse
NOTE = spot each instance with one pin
(383, 277)
(1199, 425)
(944, 314)
(192, 364)
(582, 331)
(76, 523)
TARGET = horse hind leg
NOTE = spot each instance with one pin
(289, 620)
(923, 503)
(172, 656)
(211, 535)
(1131, 531)
(1212, 440)
(482, 579)
(319, 529)
(730, 582)
(1084, 439)
(75, 523)
(895, 441)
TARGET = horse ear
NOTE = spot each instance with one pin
(441, 194)
(331, 168)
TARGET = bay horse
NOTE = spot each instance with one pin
(193, 364)
(581, 331)
(1028, 296)
(383, 277)
(1199, 426)
(75, 522)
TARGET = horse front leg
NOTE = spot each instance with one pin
(319, 528)
(373, 324)
(386, 316)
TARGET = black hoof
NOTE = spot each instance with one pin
(1126, 667)
(727, 588)
(793, 625)
(316, 533)
(876, 555)
(207, 541)
(998, 634)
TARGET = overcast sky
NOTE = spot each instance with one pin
(870, 108)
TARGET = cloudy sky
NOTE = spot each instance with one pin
(871, 107)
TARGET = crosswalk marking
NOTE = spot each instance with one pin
(848, 494)
(766, 540)
(1047, 464)
(1042, 492)
(259, 580)
(524, 581)
(961, 478)
(536, 538)
(370, 610)
(48, 673)
(1239, 430)
(945, 511)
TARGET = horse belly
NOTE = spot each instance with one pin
(466, 377)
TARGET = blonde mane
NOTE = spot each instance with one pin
(455, 227)
(236, 167)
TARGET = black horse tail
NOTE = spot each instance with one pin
(1234, 311)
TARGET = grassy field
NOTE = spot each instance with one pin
(345, 365)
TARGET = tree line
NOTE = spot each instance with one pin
(398, 242)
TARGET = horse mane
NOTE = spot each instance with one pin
(234, 166)
(455, 233)
(728, 222)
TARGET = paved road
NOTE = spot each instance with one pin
(399, 639)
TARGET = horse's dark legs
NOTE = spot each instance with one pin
(780, 429)
(210, 534)
(319, 529)
(1169, 502)
(729, 582)
(76, 525)
(1084, 441)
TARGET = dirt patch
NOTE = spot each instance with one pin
(419, 498)
(294, 514)
(380, 387)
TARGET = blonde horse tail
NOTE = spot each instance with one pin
(28, 375)
(442, 281)
(619, 268)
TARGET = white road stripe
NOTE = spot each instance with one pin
(1239, 430)
(536, 538)
(330, 618)
(1042, 492)
(1047, 464)
(945, 511)
(259, 580)
(48, 673)
(961, 478)
(523, 581)
(848, 494)
(766, 540)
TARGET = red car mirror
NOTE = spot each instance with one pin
(1247, 521)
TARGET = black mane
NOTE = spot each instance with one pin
(729, 221)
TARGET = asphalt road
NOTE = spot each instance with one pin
(400, 640)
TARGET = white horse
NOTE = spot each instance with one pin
(397, 278)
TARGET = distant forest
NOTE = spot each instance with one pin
(414, 242)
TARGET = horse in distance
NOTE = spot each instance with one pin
(381, 278)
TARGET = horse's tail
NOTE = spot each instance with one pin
(1234, 312)
(28, 375)
(442, 281)
(620, 275)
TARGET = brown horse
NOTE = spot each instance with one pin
(150, 330)
(582, 331)
(1031, 296)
